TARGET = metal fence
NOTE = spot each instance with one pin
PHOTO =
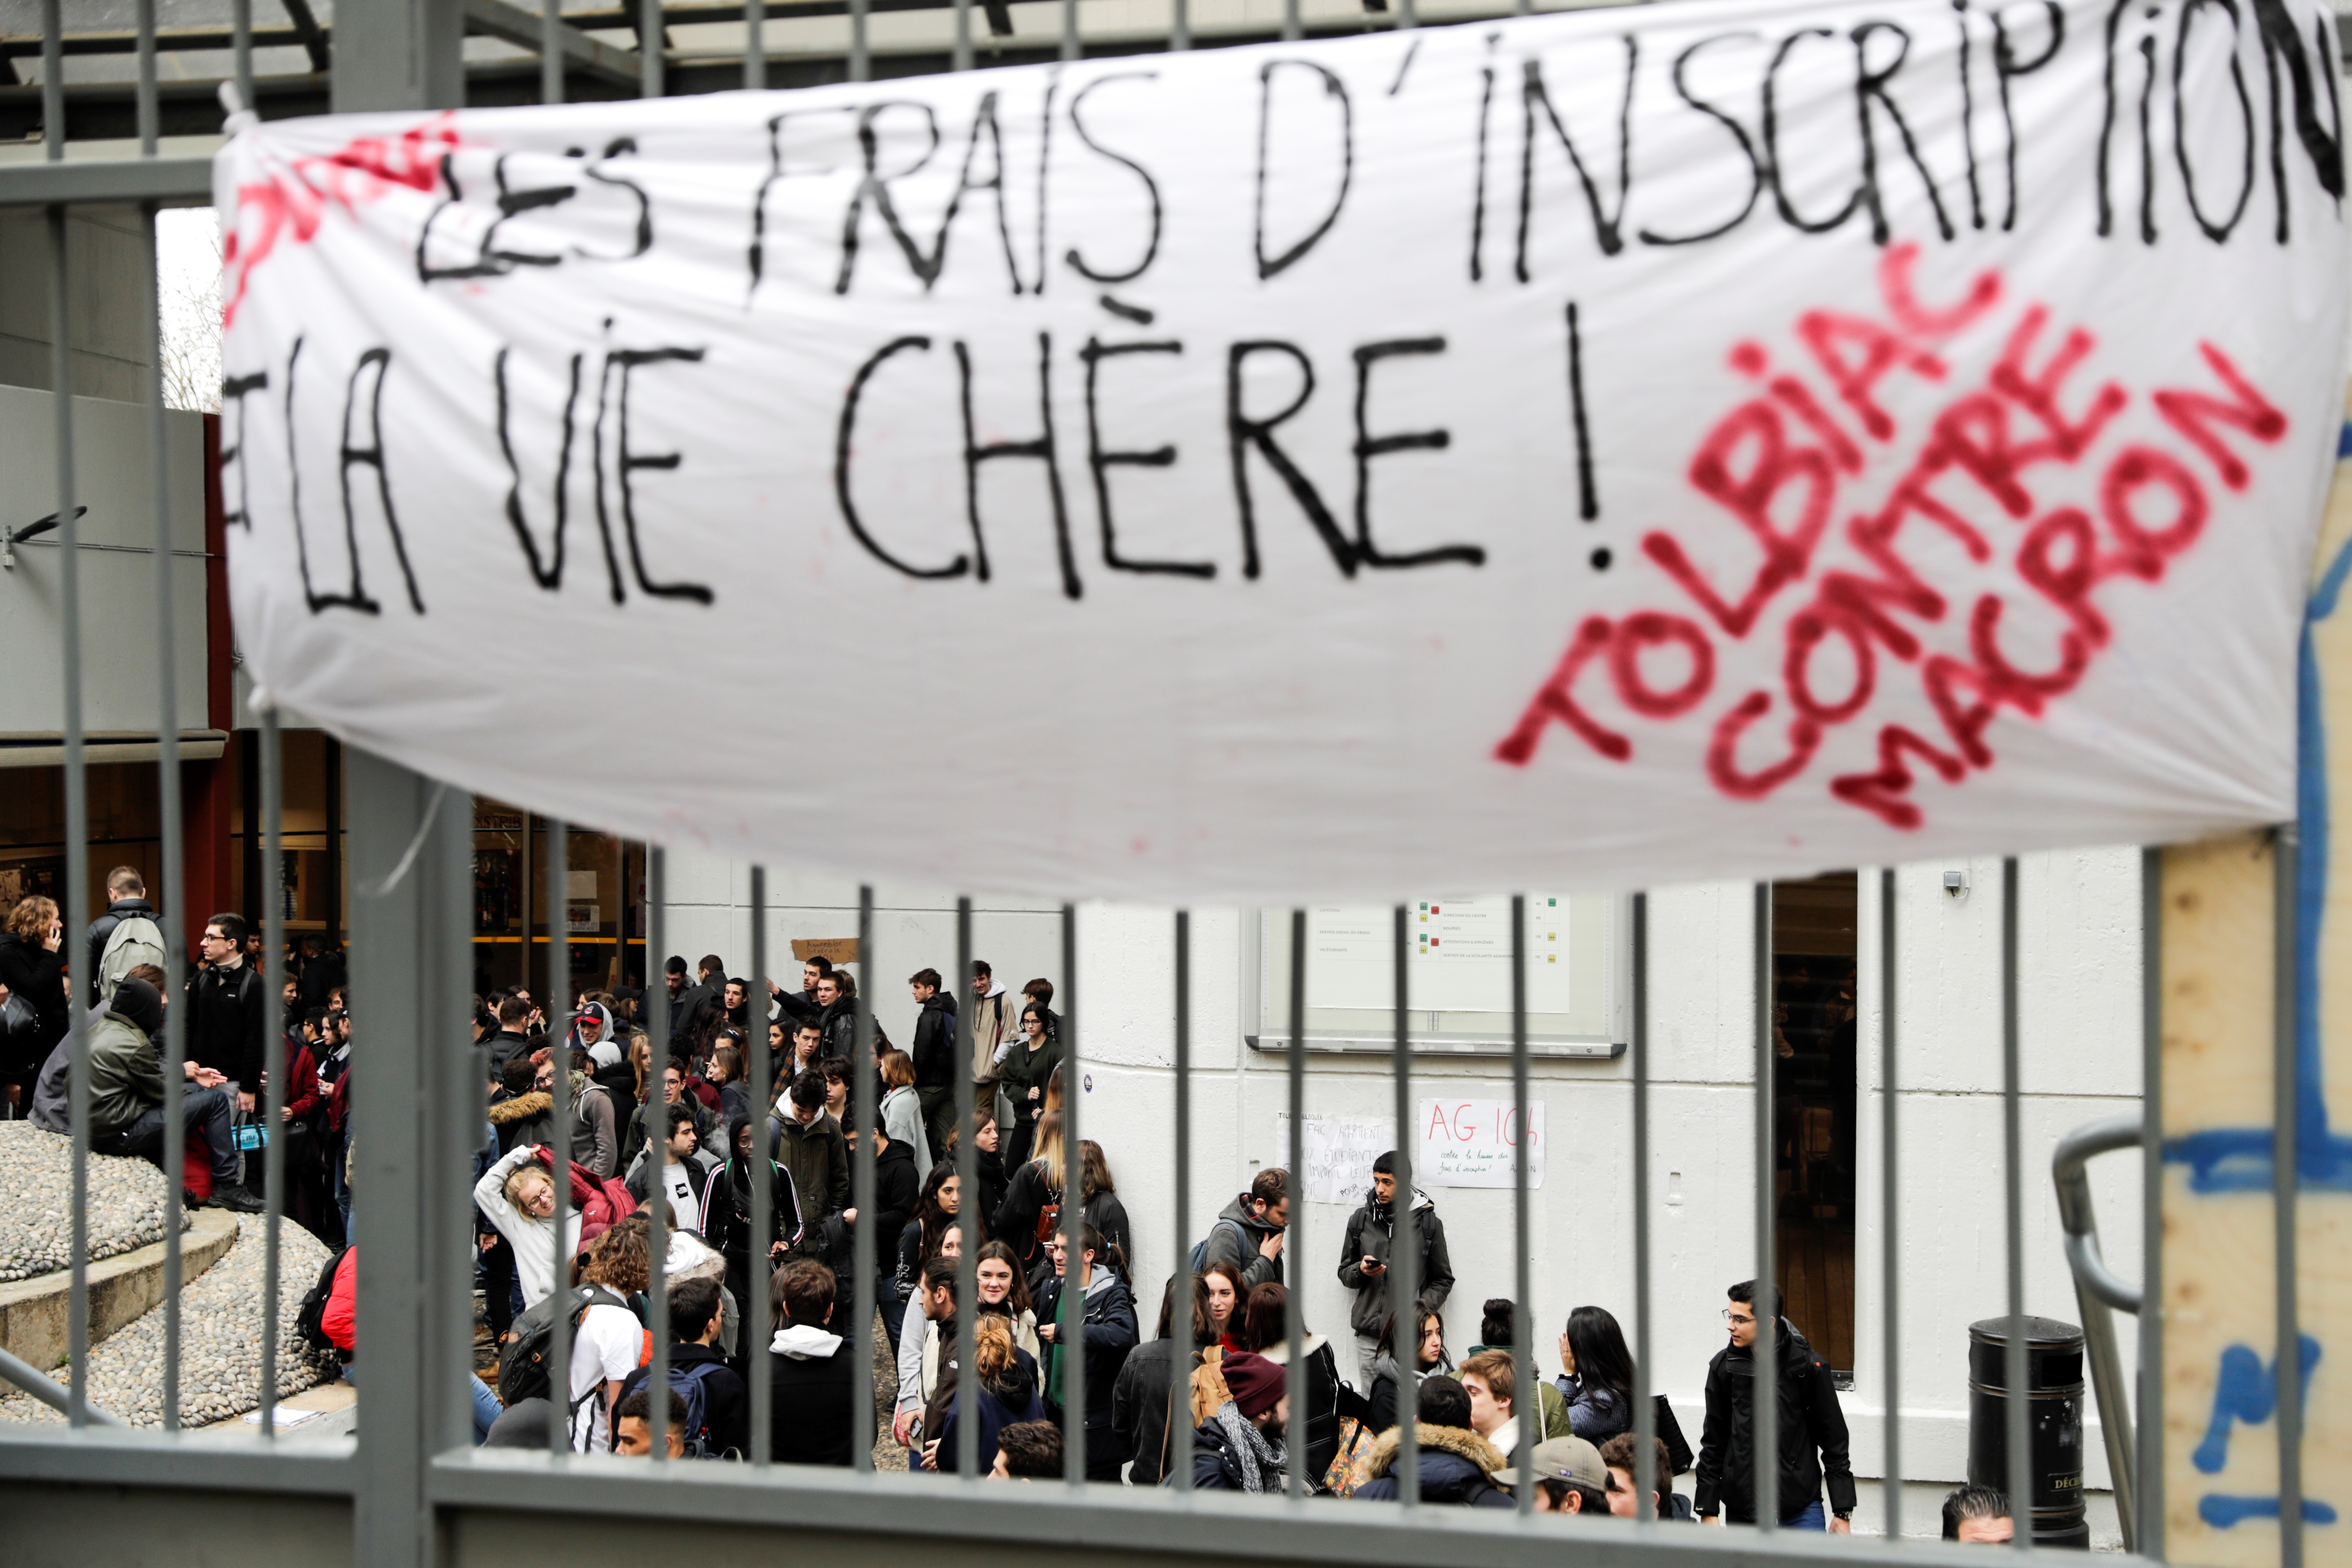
(416, 1490)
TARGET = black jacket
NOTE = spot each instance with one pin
(836, 1026)
(897, 1192)
(1014, 1223)
(1370, 1233)
(1109, 1334)
(229, 1015)
(1812, 1437)
(1141, 1404)
(31, 971)
(1217, 1464)
(727, 1219)
(934, 1043)
(725, 1403)
(809, 1422)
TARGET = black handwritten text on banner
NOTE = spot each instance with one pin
(1630, 445)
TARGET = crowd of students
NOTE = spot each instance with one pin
(1217, 1360)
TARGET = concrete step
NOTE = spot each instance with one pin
(36, 1319)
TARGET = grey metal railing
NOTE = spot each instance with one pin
(419, 1115)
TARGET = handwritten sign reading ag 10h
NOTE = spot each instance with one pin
(1476, 1142)
(1637, 444)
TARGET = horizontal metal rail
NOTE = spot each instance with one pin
(48, 1391)
(163, 180)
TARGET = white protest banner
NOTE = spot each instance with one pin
(1643, 444)
(1339, 1154)
(1475, 1143)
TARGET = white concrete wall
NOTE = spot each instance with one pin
(2080, 1013)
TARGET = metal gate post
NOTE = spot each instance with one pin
(417, 1112)
(399, 54)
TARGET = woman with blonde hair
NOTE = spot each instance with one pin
(1007, 1387)
(32, 972)
(517, 1194)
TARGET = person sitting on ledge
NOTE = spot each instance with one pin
(126, 1094)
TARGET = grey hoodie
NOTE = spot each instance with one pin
(1235, 1237)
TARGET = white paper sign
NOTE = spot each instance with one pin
(1630, 446)
(1339, 1154)
(1476, 1142)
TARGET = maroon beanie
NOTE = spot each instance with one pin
(1256, 1383)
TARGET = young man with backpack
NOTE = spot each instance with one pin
(608, 1341)
(125, 936)
(1248, 1234)
(717, 1418)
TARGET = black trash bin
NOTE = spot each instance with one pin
(2054, 1392)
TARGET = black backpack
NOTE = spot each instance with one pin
(523, 1354)
(310, 1320)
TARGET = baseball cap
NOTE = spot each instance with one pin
(1572, 1459)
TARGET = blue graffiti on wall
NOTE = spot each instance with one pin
(2242, 1158)
(2246, 1394)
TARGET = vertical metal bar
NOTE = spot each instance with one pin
(550, 52)
(967, 1455)
(1404, 1253)
(1072, 1333)
(861, 55)
(271, 1101)
(1291, 29)
(1890, 1266)
(753, 1312)
(2018, 1422)
(411, 1128)
(2150, 1448)
(1765, 1404)
(240, 23)
(1646, 1478)
(752, 1330)
(167, 799)
(1294, 1317)
(1069, 29)
(864, 1242)
(755, 45)
(1179, 1314)
(1523, 1340)
(962, 58)
(1179, 26)
(144, 13)
(649, 85)
(658, 1143)
(76, 910)
(53, 83)
(2286, 1170)
(558, 892)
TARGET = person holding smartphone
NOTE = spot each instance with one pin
(1364, 1258)
(32, 969)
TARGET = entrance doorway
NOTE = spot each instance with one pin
(1813, 1107)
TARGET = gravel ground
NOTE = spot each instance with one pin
(126, 1203)
(220, 1342)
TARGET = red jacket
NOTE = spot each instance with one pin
(600, 1204)
(340, 1316)
(302, 1079)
